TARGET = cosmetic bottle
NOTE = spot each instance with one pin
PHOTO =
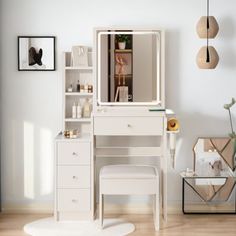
(74, 111)
(90, 88)
(70, 89)
(79, 111)
(86, 88)
(82, 88)
(87, 109)
(78, 87)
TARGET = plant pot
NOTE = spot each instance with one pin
(121, 45)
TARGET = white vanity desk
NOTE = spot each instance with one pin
(135, 122)
(127, 83)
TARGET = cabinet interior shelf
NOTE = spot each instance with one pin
(123, 50)
(78, 120)
(78, 94)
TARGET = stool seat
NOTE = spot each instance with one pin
(128, 172)
(129, 180)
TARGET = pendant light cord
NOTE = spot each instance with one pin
(208, 27)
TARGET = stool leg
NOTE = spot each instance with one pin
(101, 210)
(157, 213)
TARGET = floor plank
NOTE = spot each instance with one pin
(178, 225)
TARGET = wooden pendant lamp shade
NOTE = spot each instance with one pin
(207, 58)
(202, 27)
(207, 28)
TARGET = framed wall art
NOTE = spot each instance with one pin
(36, 53)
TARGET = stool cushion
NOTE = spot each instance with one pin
(128, 171)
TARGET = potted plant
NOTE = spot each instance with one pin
(228, 107)
(122, 39)
(232, 135)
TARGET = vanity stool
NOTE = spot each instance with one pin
(128, 180)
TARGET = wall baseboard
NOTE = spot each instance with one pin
(173, 208)
(109, 209)
(27, 208)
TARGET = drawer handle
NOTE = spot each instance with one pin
(74, 154)
(75, 177)
(74, 200)
(129, 125)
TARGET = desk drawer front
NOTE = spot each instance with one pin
(128, 125)
(74, 153)
(73, 177)
(73, 200)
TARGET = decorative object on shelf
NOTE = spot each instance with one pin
(82, 88)
(70, 89)
(71, 133)
(188, 173)
(207, 27)
(172, 124)
(90, 88)
(86, 88)
(79, 111)
(79, 56)
(78, 87)
(36, 53)
(87, 109)
(74, 111)
(122, 40)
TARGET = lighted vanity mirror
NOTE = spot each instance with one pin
(129, 67)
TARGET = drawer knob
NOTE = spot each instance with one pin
(74, 200)
(129, 125)
(75, 177)
(74, 154)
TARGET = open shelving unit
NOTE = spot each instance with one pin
(71, 76)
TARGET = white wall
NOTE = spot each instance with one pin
(31, 101)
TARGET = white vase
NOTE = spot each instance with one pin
(122, 45)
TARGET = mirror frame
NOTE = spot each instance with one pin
(160, 102)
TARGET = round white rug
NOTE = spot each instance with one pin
(49, 227)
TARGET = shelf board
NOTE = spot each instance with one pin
(79, 68)
(121, 76)
(78, 94)
(123, 50)
(81, 137)
(78, 120)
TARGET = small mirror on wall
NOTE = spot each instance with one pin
(36, 53)
(214, 156)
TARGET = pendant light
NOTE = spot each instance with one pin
(207, 27)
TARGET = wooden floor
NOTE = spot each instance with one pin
(178, 225)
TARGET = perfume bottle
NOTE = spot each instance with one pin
(82, 88)
(74, 111)
(87, 109)
(79, 110)
(86, 88)
(78, 87)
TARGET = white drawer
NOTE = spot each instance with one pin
(74, 153)
(73, 177)
(71, 200)
(128, 126)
